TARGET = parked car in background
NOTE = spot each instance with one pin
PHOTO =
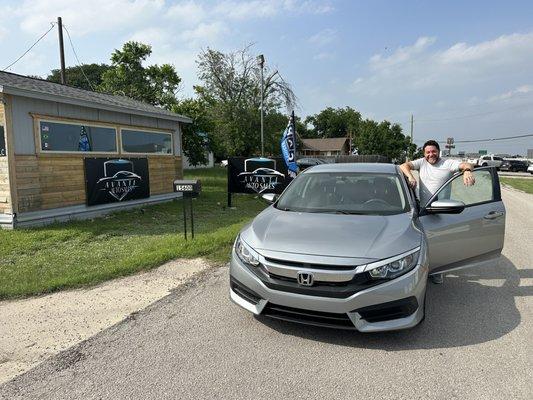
(348, 246)
(514, 165)
(304, 163)
(530, 169)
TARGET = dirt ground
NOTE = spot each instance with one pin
(34, 329)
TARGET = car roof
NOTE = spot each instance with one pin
(354, 167)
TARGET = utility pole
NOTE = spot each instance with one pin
(61, 50)
(261, 63)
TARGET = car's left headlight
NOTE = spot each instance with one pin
(246, 253)
(395, 267)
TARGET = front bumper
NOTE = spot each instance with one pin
(403, 296)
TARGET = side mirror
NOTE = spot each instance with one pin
(445, 207)
(269, 197)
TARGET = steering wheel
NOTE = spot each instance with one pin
(377, 201)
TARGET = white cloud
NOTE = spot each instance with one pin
(324, 37)
(187, 12)
(205, 33)
(151, 36)
(420, 67)
(83, 17)
(512, 94)
(324, 56)
(268, 8)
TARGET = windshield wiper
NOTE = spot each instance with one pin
(285, 209)
(344, 212)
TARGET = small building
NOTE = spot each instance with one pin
(325, 147)
(71, 153)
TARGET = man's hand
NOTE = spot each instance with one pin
(412, 182)
(468, 178)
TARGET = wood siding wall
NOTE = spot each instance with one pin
(53, 181)
(5, 195)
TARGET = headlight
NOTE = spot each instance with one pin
(246, 253)
(396, 267)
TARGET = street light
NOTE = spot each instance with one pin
(261, 63)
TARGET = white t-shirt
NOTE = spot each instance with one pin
(432, 177)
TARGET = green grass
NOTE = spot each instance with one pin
(523, 184)
(74, 254)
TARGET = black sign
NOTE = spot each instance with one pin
(257, 175)
(191, 187)
(111, 180)
(3, 150)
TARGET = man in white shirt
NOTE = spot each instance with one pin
(434, 172)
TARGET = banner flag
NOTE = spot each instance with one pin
(288, 147)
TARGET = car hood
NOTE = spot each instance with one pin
(335, 235)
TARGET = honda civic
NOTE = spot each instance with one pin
(348, 246)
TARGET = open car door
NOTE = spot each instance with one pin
(471, 237)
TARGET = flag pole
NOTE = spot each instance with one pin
(294, 132)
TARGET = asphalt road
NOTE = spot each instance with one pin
(476, 342)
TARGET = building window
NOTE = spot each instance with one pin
(136, 141)
(73, 137)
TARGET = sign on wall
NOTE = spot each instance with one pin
(3, 150)
(257, 175)
(111, 180)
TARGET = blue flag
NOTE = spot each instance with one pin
(288, 148)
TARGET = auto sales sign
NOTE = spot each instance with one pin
(111, 180)
(257, 175)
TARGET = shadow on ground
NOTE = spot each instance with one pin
(472, 306)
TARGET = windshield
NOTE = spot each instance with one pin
(345, 193)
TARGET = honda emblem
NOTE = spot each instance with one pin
(304, 278)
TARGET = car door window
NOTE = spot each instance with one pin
(481, 192)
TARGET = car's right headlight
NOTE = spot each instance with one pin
(246, 253)
(395, 267)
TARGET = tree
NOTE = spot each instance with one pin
(334, 122)
(384, 139)
(155, 84)
(231, 88)
(80, 76)
(196, 136)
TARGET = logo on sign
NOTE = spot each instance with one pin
(262, 179)
(122, 182)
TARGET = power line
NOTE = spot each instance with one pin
(76, 55)
(494, 139)
(31, 47)
(487, 140)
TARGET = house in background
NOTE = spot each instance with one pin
(325, 147)
(72, 153)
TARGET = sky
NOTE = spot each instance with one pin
(462, 69)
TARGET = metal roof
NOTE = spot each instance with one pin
(25, 86)
(324, 144)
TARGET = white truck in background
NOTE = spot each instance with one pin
(489, 160)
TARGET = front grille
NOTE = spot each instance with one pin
(339, 290)
(244, 292)
(309, 317)
(310, 266)
(388, 311)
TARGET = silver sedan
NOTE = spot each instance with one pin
(348, 246)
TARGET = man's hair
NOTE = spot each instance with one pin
(431, 143)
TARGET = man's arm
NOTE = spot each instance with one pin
(468, 176)
(406, 168)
